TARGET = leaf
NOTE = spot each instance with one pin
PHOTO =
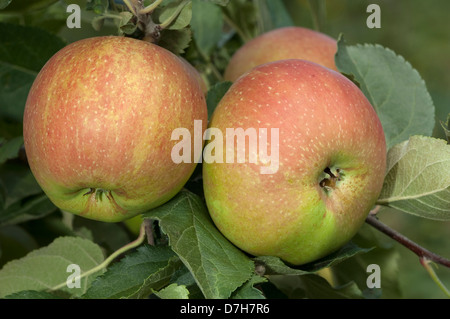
(175, 40)
(206, 24)
(219, 2)
(21, 197)
(27, 209)
(347, 251)
(385, 255)
(32, 294)
(244, 17)
(446, 127)
(393, 87)
(248, 290)
(173, 291)
(137, 275)
(217, 266)
(98, 22)
(275, 266)
(215, 94)
(125, 23)
(317, 287)
(23, 52)
(15, 242)
(98, 6)
(4, 3)
(10, 149)
(418, 178)
(46, 268)
(273, 15)
(180, 11)
(318, 13)
(314, 287)
(18, 182)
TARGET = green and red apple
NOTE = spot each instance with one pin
(331, 162)
(281, 44)
(98, 122)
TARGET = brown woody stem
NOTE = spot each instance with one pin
(415, 248)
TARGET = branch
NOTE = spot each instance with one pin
(415, 248)
(138, 241)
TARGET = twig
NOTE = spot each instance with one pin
(415, 248)
(138, 241)
(426, 264)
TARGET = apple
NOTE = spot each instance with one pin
(281, 44)
(98, 123)
(331, 162)
(133, 224)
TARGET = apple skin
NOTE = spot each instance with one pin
(282, 44)
(98, 123)
(324, 120)
(133, 224)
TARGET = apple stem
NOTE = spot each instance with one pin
(149, 231)
(137, 242)
(426, 264)
(415, 248)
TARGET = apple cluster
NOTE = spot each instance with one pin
(98, 131)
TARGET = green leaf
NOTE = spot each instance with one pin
(23, 52)
(125, 23)
(21, 197)
(384, 255)
(10, 149)
(275, 266)
(175, 40)
(98, 6)
(32, 294)
(248, 290)
(393, 87)
(318, 13)
(27, 209)
(347, 251)
(272, 15)
(4, 3)
(179, 13)
(46, 268)
(137, 275)
(219, 2)
(446, 127)
(25, 6)
(215, 94)
(15, 242)
(206, 24)
(243, 17)
(173, 291)
(217, 266)
(418, 178)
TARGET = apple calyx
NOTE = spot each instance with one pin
(99, 193)
(330, 183)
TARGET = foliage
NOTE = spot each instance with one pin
(190, 258)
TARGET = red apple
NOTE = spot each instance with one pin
(330, 154)
(281, 44)
(98, 123)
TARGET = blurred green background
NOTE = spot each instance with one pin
(415, 29)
